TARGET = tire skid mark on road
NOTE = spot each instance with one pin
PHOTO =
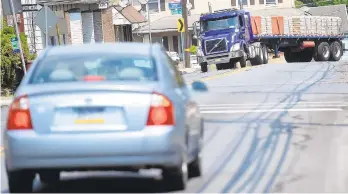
(231, 153)
(273, 125)
(290, 97)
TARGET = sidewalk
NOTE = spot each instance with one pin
(5, 101)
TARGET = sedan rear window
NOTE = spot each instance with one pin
(94, 67)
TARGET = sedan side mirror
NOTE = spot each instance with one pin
(199, 86)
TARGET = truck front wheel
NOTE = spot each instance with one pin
(265, 54)
(204, 67)
(242, 61)
(259, 57)
(219, 66)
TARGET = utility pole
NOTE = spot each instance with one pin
(240, 4)
(186, 34)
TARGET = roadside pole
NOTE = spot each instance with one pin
(18, 36)
(148, 19)
(186, 55)
(46, 25)
(183, 48)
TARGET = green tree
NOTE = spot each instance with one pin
(315, 3)
(11, 65)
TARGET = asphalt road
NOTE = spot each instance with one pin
(269, 128)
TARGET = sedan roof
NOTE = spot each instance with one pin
(117, 48)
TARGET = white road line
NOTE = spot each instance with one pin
(270, 106)
(284, 103)
(271, 110)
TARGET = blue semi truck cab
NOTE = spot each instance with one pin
(225, 38)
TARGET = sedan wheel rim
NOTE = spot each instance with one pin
(184, 170)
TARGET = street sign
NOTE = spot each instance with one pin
(174, 5)
(40, 19)
(15, 46)
(30, 7)
(180, 23)
(176, 11)
(6, 6)
(103, 4)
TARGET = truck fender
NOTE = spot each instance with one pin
(255, 49)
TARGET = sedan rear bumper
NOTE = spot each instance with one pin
(149, 147)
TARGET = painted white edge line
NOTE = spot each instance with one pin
(271, 110)
(275, 103)
(270, 106)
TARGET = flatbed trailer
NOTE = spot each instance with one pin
(299, 48)
(243, 37)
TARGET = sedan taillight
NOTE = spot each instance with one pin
(19, 115)
(161, 111)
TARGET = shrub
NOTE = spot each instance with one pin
(11, 65)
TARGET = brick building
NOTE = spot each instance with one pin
(80, 22)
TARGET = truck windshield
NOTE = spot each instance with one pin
(219, 23)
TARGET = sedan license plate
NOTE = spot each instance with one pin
(89, 115)
(89, 121)
(217, 60)
(83, 118)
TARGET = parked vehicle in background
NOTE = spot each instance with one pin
(121, 106)
(174, 55)
(233, 35)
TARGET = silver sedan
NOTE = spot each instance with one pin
(120, 106)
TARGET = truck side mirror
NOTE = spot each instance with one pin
(195, 28)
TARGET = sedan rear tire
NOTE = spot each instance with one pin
(176, 178)
(50, 177)
(20, 181)
(195, 168)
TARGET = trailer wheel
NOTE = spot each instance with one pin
(204, 67)
(265, 54)
(323, 51)
(336, 51)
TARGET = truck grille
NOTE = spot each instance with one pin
(215, 46)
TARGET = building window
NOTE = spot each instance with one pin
(271, 2)
(235, 3)
(165, 42)
(176, 44)
(192, 3)
(154, 6)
